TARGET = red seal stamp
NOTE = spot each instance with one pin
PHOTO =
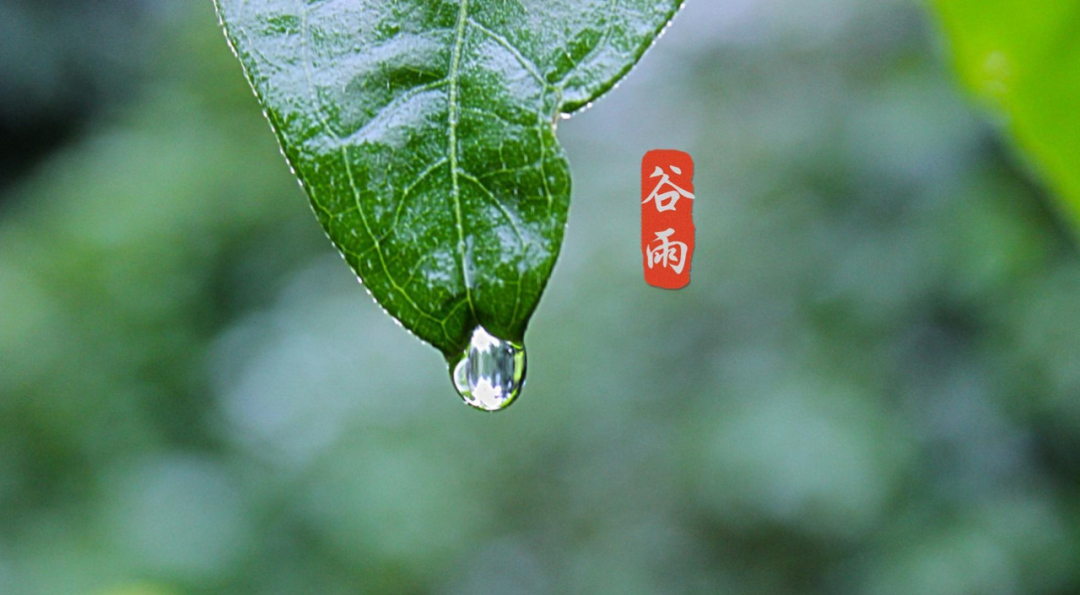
(667, 217)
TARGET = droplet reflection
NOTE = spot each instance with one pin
(491, 372)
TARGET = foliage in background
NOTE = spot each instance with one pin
(62, 67)
(869, 388)
(1023, 58)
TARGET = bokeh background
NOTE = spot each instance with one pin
(872, 384)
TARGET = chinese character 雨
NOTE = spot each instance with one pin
(668, 252)
(666, 201)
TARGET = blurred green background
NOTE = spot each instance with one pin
(872, 384)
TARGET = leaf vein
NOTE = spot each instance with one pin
(452, 109)
(505, 43)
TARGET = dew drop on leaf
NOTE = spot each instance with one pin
(490, 373)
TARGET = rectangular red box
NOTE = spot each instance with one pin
(667, 217)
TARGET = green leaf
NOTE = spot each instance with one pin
(1023, 58)
(424, 133)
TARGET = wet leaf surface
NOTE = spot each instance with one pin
(424, 134)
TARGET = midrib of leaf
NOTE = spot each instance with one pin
(452, 111)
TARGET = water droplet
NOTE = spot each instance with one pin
(491, 371)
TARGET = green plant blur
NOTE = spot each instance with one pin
(871, 384)
(1023, 60)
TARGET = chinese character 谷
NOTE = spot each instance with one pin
(668, 252)
(666, 201)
